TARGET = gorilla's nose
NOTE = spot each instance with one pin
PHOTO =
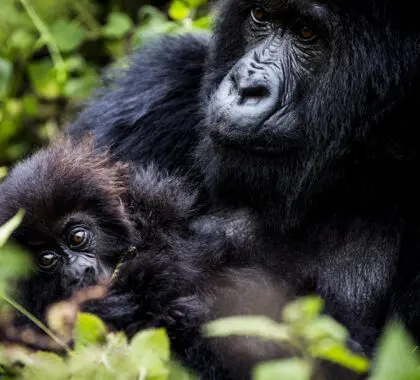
(247, 96)
(90, 271)
(250, 84)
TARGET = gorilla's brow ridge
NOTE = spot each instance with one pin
(300, 8)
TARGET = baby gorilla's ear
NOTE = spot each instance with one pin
(161, 200)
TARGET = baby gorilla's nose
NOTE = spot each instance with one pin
(79, 273)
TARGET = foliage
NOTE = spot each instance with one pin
(98, 354)
(52, 53)
(308, 334)
(13, 263)
(312, 335)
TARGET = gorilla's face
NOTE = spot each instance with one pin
(75, 225)
(256, 107)
(292, 88)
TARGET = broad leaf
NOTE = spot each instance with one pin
(118, 25)
(290, 369)
(89, 330)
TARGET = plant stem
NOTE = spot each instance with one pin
(87, 17)
(36, 321)
(47, 37)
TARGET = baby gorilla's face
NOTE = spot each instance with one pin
(67, 253)
(75, 225)
(73, 257)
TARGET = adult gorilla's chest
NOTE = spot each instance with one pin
(349, 261)
(350, 264)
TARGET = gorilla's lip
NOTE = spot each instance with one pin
(248, 146)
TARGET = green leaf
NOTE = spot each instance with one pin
(179, 10)
(43, 366)
(45, 79)
(22, 41)
(116, 48)
(30, 105)
(3, 172)
(118, 25)
(117, 340)
(7, 229)
(339, 354)
(87, 363)
(195, 3)
(261, 327)
(14, 263)
(155, 340)
(88, 330)
(6, 70)
(80, 88)
(68, 35)
(290, 369)
(178, 372)
(204, 22)
(75, 63)
(325, 327)
(304, 309)
(396, 357)
(151, 350)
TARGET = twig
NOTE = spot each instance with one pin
(36, 321)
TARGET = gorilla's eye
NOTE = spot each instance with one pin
(78, 238)
(260, 15)
(306, 33)
(48, 260)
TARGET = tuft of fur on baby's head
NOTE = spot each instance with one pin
(64, 177)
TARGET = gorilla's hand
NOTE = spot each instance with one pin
(156, 289)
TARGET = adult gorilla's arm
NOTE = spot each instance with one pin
(150, 111)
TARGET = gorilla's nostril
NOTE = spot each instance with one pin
(253, 94)
(89, 271)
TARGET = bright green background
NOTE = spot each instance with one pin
(53, 52)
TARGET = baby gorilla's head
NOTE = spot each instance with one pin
(83, 212)
(76, 224)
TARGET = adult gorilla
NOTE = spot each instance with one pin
(303, 111)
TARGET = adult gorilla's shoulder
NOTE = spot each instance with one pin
(149, 112)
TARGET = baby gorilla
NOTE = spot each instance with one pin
(83, 213)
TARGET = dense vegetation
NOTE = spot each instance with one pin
(52, 54)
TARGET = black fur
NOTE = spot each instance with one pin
(198, 277)
(66, 186)
(161, 108)
(329, 174)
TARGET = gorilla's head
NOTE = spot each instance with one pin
(84, 212)
(75, 225)
(303, 95)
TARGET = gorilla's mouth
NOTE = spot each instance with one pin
(254, 147)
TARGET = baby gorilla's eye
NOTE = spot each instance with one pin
(260, 15)
(48, 260)
(78, 238)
